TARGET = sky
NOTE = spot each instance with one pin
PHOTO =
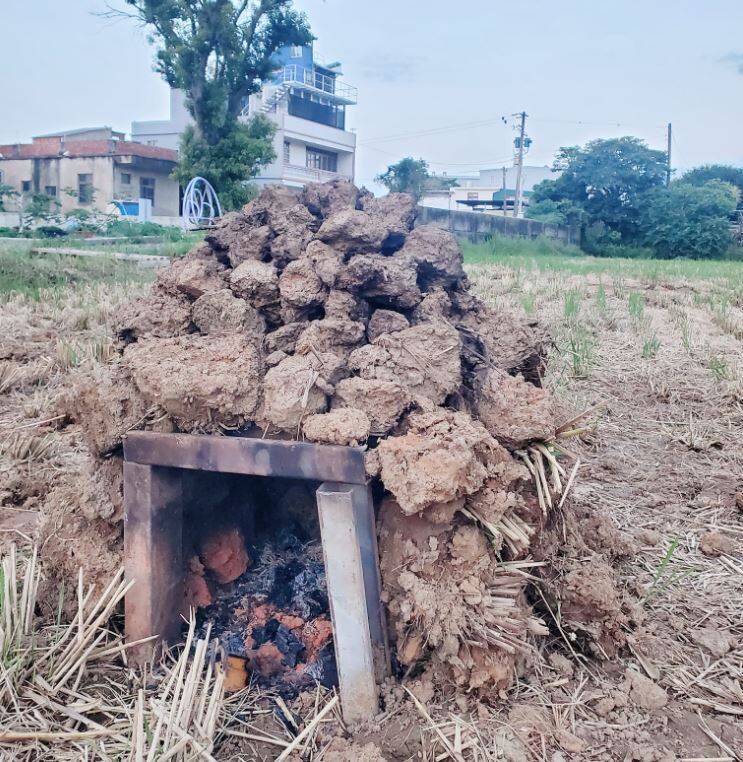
(434, 78)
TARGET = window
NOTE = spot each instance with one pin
(472, 196)
(325, 160)
(308, 107)
(50, 190)
(296, 51)
(147, 188)
(287, 152)
(84, 189)
(126, 178)
(25, 186)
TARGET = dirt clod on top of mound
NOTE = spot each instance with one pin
(326, 314)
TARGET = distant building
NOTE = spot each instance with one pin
(307, 100)
(93, 169)
(490, 191)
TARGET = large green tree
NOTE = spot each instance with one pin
(607, 179)
(227, 165)
(406, 176)
(219, 52)
(686, 220)
(724, 172)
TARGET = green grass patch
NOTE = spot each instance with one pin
(650, 347)
(636, 305)
(22, 273)
(546, 255)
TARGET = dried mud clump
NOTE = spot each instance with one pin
(326, 314)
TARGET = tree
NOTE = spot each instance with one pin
(6, 192)
(563, 212)
(230, 163)
(607, 179)
(407, 176)
(686, 220)
(220, 52)
(725, 172)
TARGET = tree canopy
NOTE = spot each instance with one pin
(686, 220)
(219, 52)
(607, 180)
(231, 163)
(724, 172)
(406, 176)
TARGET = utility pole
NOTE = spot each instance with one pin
(668, 158)
(520, 165)
(505, 186)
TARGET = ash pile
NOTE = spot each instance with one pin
(273, 620)
(325, 314)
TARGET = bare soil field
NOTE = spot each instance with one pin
(653, 354)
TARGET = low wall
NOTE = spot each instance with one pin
(476, 226)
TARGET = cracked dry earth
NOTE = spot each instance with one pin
(665, 462)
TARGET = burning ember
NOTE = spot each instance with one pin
(275, 617)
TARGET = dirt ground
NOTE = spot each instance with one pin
(660, 362)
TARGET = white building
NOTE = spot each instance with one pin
(307, 101)
(487, 190)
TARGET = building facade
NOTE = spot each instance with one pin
(306, 100)
(492, 191)
(93, 169)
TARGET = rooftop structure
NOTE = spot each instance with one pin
(307, 100)
(90, 168)
(491, 190)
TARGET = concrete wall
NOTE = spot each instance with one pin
(477, 227)
(62, 173)
(166, 189)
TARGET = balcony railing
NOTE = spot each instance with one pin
(331, 87)
(305, 174)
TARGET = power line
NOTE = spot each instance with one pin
(448, 163)
(432, 131)
(588, 123)
(495, 120)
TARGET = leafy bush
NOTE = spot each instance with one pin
(407, 176)
(133, 229)
(600, 241)
(724, 172)
(562, 212)
(231, 163)
(689, 221)
(607, 179)
(49, 231)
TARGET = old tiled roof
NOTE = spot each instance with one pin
(80, 148)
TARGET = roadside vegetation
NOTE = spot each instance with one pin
(618, 190)
(34, 276)
(546, 255)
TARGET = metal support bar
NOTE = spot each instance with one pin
(153, 528)
(345, 544)
(247, 455)
(366, 531)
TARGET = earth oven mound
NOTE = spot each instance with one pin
(275, 619)
(325, 316)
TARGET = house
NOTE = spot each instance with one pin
(307, 101)
(93, 168)
(488, 191)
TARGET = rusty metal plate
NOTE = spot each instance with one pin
(247, 455)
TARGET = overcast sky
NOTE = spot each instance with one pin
(581, 69)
